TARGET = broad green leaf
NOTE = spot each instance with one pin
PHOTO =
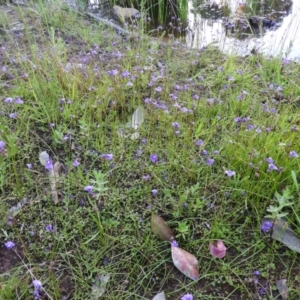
(161, 229)
(185, 262)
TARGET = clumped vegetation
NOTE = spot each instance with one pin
(215, 146)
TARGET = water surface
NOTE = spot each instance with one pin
(207, 26)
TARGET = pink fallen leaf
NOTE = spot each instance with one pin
(217, 249)
(161, 229)
(185, 262)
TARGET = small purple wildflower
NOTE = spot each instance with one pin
(177, 132)
(272, 167)
(256, 273)
(158, 89)
(51, 125)
(146, 177)
(18, 100)
(49, 228)
(262, 291)
(112, 72)
(49, 165)
(176, 125)
(107, 156)
(29, 166)
(2, 145)
(8, 100)
(266, 226)
(13, 115)
(154, 158)
(154, 192)
(240, 72)
(125, 74)
(204, 152)
(210, 161)
(174, 243)
(88, 188)
(187, 297)
(76, 163)
(37, 287)
(270, 160)
(293, 154)
(230, 173)
(199, 143)
(9, 245)
(37, 284)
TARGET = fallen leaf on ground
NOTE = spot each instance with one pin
(138, 117)
(43, 157)
(283, 233)
(98, 288)
(161, 229)
(160, 296)
(282, 288)
(53, 176)
(185, 262)
(217, 249)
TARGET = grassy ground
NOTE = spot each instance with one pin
(79, 84)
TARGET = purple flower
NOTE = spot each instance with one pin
(144, 141)
(210, 161)
(154, 158)
(293, 154)
(240, 72)
(266, 226)
(2, 145)
(256, 273)
(113, 72)
(37, 287)
(270, 160)
(29, 166)
(9, 245)
(13, 116)
(8, 100)
(18, 100)
(272, 167)
(49, 165)
(107, 156)
(36, 294)
(204, 152)
(176, 125)
(125, 74)
(158, 89)
(76, 163)
(174, 244)
(187, 297)
(146, 177)
(199, 143)
(37, 284)
(230, 173)
(88, 188)
(49, 228)
(154, 192)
